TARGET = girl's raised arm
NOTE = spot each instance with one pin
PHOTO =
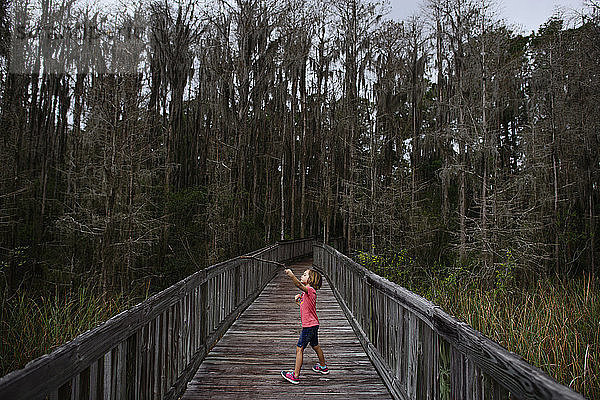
(296, 281)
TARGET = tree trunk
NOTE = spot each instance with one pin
(484, 183)
(303, 160)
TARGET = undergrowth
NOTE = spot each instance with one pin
(33, 326)
(553, 324)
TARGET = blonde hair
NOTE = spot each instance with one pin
(314, 279)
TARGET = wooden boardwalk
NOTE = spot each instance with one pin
(157, 348)
(246, 362)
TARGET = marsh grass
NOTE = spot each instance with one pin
(553, 324)
(34, 326)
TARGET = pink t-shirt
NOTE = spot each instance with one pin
(308, 308)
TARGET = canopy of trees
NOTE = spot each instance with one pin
(449, 137)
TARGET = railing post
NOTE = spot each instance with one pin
(149, 350)
(203, 312)
(419, 350)
(236, 284)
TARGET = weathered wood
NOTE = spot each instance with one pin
(147, 362)
(507, 368)
(211, 341)
(45, 375)
(107, 381)
(420, 351)
(163, 351)
(93, 390)
(246, 362)
(171, 358)
(370, 350)
(414, 375)
(75, 387)
(121, 372)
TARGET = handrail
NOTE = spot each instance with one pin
(152, 350)
(420, 351)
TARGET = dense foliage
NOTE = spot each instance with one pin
(449, 139)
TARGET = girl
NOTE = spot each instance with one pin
(309, 282)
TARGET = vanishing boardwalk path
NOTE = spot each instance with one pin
(170, 342)
(246, 362)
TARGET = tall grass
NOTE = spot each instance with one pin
(552, 324)
(31, 327)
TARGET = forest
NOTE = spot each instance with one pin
(448, 147)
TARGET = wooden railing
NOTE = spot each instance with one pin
(152, 350)
(420, 351)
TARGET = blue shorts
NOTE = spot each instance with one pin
(309, 335)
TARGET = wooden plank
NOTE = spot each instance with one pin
(178, 388)
(177, 340)
(121, 372)
(190, 327)
(412, 361)
(149, 351)
(203, 313)
(186, 331)
(222, 297)
(389, 333)
(75, 387)
(138, 364)
(163, 351)
(171, 358)
(51, 371)
(226, 293)
(93, 395)
(261, 342)
(157, 360)
(421, 366)
(107, 381)
(519, 378)
(435, 365)
(196, 321)
(210, 304)
(398, 348)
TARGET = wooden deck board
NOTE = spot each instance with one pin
(247, 361)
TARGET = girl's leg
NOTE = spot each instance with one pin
(299, 359)
(319, 352)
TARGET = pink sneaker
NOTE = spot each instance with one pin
(322, 369)
(290, 377)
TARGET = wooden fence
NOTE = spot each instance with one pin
(152, 350)
(420, 351)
